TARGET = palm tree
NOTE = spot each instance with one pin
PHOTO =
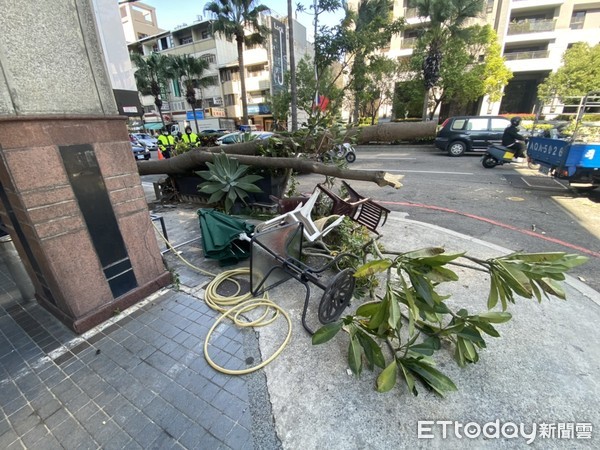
(190, 70)
(151, 76)
(232, 18)
(446, 20)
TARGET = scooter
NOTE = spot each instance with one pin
(345, 151)
(497, 155)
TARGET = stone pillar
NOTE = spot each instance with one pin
(70, 193)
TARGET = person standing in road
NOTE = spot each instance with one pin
(513, 140)
(166, 142)
(189, 137)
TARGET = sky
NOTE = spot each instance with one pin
(171, 13)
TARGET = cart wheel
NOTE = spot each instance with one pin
(489, 162)
(337, 296)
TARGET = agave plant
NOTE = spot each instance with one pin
(226, 181)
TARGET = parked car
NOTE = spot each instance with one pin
(151, 143)
(140, 152)
(461, 134)
(236, 137)
(212, 131)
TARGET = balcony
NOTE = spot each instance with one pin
(537, 54)
(408, 42)
(526, 26)
(522, 5)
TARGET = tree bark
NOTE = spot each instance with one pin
(194, 159)
(240, 50)
(394, 132)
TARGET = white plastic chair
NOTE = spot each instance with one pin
(313, 230)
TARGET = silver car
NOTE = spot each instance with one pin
(149, 142)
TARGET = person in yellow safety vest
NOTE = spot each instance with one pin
(190, 138)
(165, 143)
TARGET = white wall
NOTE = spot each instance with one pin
(112, 38)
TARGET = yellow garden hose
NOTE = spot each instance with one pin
(233, 307)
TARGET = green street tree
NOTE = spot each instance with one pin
(379, 86)
(231, 19)
(190, 71)
(151, 76)
(475, 69)
(292, 56)
(579, 74)
(446, 20)
(368, 29)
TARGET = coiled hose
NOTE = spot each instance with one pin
(233, 307)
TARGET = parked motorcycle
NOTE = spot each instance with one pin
(345, 151)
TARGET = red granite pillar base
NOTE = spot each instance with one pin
(57, 241)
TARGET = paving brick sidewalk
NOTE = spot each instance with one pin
(137, 381)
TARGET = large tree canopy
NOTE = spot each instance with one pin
(579, 74)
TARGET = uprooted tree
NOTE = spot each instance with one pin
(251, 153)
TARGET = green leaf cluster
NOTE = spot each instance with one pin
(227, 181)
(401, 331)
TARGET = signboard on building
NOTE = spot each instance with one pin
(279, 48)
(189, 115)
(259, 109)
(218, 112)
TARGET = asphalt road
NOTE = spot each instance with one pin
(508, 205)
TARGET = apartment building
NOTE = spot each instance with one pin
(533, 34)
(221, 103)
(138, 21)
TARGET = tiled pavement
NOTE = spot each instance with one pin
(137, 381)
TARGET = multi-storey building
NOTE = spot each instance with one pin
(534, 35)
(221, 103)
(138, 20)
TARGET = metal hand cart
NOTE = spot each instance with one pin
(275, 258)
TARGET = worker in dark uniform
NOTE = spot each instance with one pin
(513, 140)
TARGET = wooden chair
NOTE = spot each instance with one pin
(360, 209)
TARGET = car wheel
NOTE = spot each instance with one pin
(489, 162)
(147, 157)
(350, 157)
(457, 148)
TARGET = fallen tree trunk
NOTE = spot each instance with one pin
(395, 132)
(195, 159)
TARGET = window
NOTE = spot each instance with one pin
(490, 6)
(205, 34)
(210, 58)
(459, 124)
(255, 71)
(577, 20)
(229, 100)
(478, 124)
(499, 124)
(186, 40)
(142, 36)
(176, 88)
(225, 75)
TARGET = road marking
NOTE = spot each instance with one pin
(421, 171)
(496, 223)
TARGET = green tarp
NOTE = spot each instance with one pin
(220, 237)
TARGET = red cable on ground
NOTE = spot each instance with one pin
(496, 223)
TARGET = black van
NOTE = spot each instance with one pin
(461, 134)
